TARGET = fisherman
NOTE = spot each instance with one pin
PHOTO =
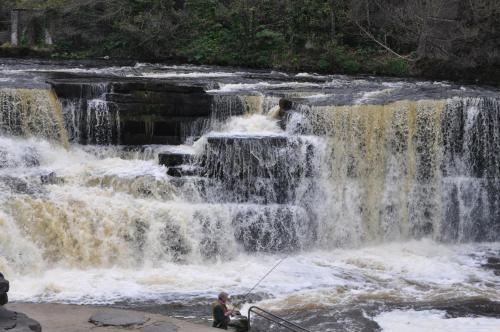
(220, 312)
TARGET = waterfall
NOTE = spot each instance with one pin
(32, 112)
(103, 124)
(89, 118)
(370, 198)
(408, 169)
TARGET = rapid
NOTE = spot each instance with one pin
(383, 195)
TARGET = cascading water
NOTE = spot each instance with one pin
(404, 169)
(379, 206)
(89, 118)
(31, 112)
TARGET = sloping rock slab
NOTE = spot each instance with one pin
(17, 322)
(117, 319)
(161, 327)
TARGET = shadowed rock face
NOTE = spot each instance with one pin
(10, 320)
(103, 110)
(4, 288)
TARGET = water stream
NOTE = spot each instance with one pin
(384, 196)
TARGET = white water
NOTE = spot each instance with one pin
(433, 320)
(356, 192)
(415, 271)
(103, 191)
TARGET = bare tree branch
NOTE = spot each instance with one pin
(367, 33)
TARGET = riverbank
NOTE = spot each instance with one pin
(75, 318)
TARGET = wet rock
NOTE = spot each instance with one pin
(184, 170)
(31, 157)
(17, 322)
(285, 104)
(4, 288)
(17, 185)
(51, 178)
(161, 327)
(239, 323)
(493, 263)
(151, 111)
(172, 159)
(123, 319)
(272, 229)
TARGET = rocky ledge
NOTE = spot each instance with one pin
(17, 322)
(74, 318)
(13, 321)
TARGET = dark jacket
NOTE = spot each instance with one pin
(219, 314)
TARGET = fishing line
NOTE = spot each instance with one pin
(261, 279)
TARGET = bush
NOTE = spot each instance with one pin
(397, 67)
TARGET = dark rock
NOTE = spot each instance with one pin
(239, 323)
(171, 159)
(79, 89)
(4, 288)
(51, 178)
(285, 104)
(184, 170)
(158, 97)
(17, 322)
(156, 86)
(137, 130)
(138, 111)
(123, 319)
(7, 319)
(18, 185)
(175, 107)
(493, 263)
(161, 327)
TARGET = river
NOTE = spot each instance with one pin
(382, 195)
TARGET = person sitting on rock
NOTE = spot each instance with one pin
(220, 312)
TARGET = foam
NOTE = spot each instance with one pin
(433, 320)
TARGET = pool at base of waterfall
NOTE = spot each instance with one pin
(420, 283)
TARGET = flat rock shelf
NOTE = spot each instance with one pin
(74, 318)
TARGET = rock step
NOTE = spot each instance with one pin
(184, 170)
(244, 157)
(175, 158)
(144, 111)
(150, 97)
(271, 140)
(191, 106)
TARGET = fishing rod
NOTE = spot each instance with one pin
(258, 282)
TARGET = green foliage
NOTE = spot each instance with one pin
(397, 67)
(316, 35)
